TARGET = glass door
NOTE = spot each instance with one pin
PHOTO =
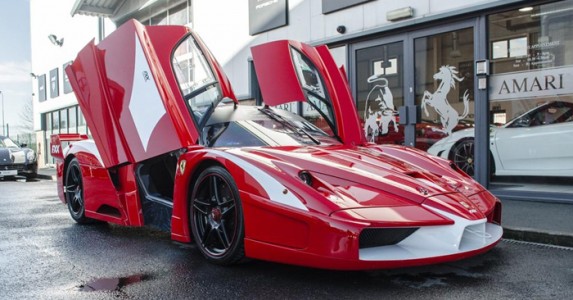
(379, 86)
(417, 89)
(444, 91)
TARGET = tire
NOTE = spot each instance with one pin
(74, 192)
(216, 216)
(462, 154)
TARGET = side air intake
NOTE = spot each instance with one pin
(375, 237)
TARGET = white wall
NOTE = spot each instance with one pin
(53, 17)
(224, 26)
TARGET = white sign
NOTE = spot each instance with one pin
(8, 173)
(546, 82)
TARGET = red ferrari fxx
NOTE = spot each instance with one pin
(172, 148)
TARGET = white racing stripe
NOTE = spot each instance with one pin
(272, 187)
(88, 146)
(145, 104)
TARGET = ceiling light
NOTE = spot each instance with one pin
(54, 39)
(399, 14)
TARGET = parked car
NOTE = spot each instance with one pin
(173, 148)
(16, 160)
(536, 143)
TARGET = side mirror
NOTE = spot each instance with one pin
(522, 122)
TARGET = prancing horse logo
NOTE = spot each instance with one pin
(448, 115)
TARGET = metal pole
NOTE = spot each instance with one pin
(3, 128)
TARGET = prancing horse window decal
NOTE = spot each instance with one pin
(448, 115)
(379, 110)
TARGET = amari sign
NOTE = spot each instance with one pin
(538, 83)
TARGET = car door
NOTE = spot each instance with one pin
(290, 71)
(538, 143)
(135, 103)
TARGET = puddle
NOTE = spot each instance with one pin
(111, 284)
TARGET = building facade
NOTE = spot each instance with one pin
(487, 84)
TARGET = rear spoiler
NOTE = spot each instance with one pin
(56, 149)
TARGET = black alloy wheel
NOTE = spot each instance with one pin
(462, 155)
(74, 192)
(217, 217)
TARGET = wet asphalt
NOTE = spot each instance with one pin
(45, 255)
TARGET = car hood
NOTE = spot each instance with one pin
(12, 156)
(360, 177)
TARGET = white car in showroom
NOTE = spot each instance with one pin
(536, 143)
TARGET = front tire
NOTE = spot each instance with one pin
(216, 216)
(462, 154)
(74, 192)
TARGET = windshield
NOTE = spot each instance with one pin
(252, 126)
(546, 114)
(7, 143)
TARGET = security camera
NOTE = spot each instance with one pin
(341, 29)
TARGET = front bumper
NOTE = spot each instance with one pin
(18, 169)
(434, 241)
(337, 245)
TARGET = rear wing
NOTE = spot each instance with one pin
(56, 140)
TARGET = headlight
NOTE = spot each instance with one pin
(31, 156)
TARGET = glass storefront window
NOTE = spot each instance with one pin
(159, 19)
(179, 15)
(48, 122)
(64, 121)
(56, 122)
(531, 93)
(82, 127)
(81, 119)
(72, 119)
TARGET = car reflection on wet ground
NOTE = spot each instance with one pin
(44, 254)
(111, 284)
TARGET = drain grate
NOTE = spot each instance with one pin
(537, 244)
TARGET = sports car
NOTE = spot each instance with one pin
(536, 143)
(173, 148)
(16, 160)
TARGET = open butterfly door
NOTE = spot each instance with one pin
(131, 98)
(291, 71)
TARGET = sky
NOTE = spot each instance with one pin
(15, 66)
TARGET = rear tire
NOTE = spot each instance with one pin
(216, 217)
(74, 192)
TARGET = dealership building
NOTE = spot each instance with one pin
(487, 84)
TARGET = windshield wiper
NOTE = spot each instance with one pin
(300, 131)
